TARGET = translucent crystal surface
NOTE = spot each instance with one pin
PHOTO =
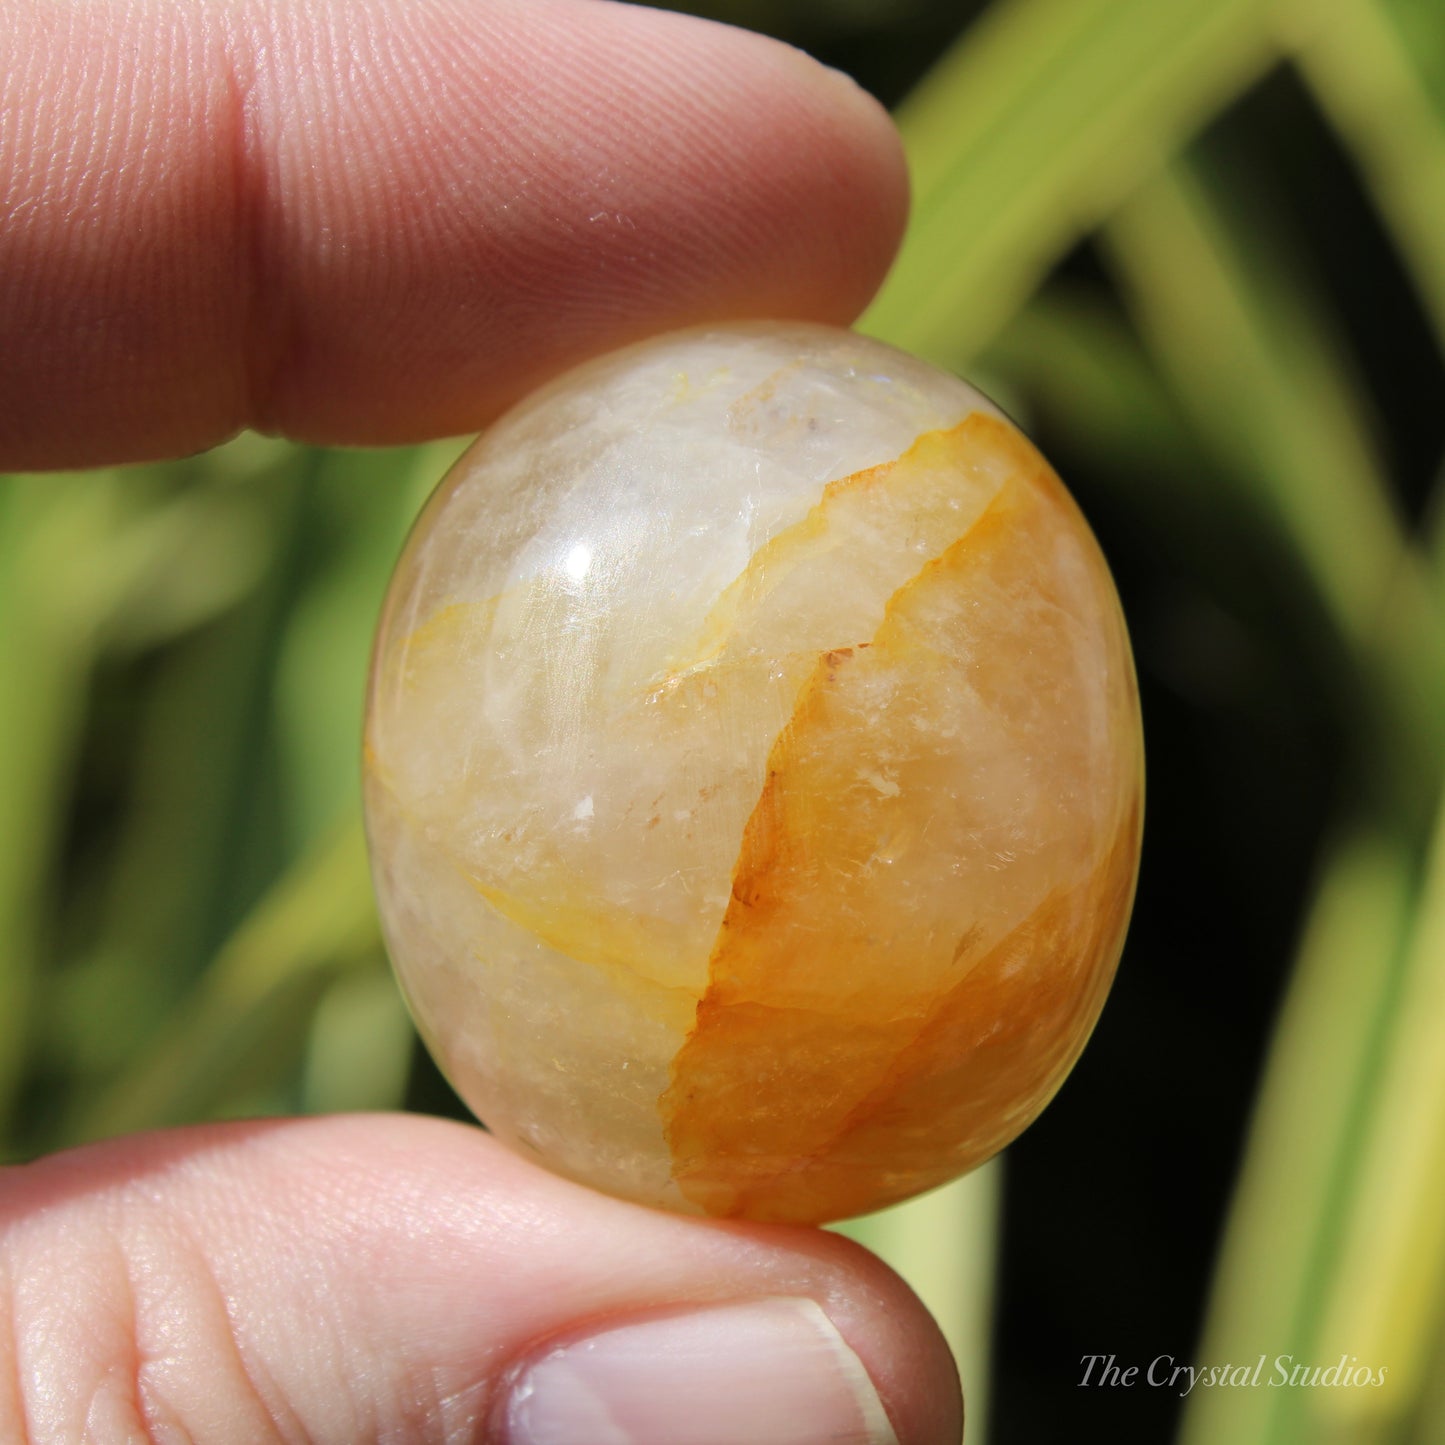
(753, 775)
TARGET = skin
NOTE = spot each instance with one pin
(372, 223)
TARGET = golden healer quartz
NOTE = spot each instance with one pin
(753, 775)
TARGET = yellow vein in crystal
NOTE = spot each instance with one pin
(826, 662)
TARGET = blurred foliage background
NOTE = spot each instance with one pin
(1198, 248)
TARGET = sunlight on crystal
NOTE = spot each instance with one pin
(579, 562)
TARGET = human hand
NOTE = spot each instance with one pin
(375, 222)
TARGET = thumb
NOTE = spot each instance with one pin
(405, 1279)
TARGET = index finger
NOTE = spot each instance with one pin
(373, 221)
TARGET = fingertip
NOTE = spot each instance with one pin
(609, 172)
(695, 1307)
(899, 1342)
(380, 222)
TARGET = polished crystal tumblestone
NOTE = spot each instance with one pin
(753, 775)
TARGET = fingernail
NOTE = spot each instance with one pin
(773, 1370)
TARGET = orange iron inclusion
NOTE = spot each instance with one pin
(754, 775)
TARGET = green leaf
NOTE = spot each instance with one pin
(368, 500)
(246, 1022)
(71, 548)
(359, 1052)
(1368, 68)
(1041, 119)
(1388, 1297)
(1255, 364)
(1305, 1140)
(46, 651)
